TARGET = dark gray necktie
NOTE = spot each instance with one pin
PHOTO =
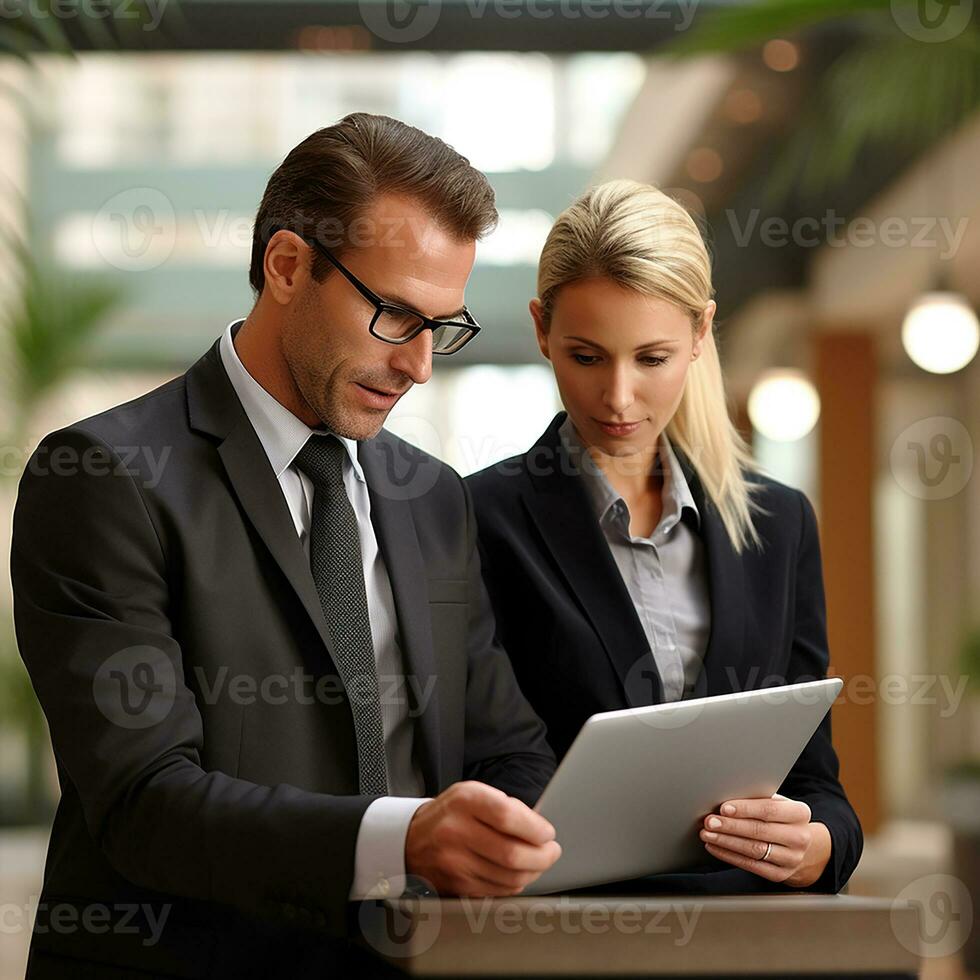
(335, 560)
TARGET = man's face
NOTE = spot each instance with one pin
(349, 378)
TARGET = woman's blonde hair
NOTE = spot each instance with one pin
(640, 238)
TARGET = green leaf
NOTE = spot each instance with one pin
(33, 27)
(18, 702)
(51, 320)
(895, 93)
(886, 89)
(30, 29)
(735, 27)
(50, 328)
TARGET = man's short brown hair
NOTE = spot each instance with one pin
(328, 182)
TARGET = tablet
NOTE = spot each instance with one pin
(630, 795)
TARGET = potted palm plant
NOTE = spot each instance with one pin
(48, 326)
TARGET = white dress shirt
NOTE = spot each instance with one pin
(379, 859)
(664, 573)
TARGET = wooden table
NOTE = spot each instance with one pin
(798, 934)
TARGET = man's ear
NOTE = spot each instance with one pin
(287, 259)
(539, 331)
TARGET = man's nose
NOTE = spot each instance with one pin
(414, 358)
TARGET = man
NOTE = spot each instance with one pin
(255, 620)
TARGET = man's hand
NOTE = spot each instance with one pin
(475, 840)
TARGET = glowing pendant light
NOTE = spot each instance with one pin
(940, 333)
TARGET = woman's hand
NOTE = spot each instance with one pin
(800, 849)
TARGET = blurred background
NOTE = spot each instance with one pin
(830, 151)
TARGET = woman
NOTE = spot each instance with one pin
(635, 554)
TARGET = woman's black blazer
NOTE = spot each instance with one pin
(569, 625)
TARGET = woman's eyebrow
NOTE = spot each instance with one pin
(664, 342)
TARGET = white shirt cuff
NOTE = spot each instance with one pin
(379, 854)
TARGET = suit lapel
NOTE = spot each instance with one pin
(260, 495)
(214, 408)
(560, 508)
(394, 525)
(564, 516)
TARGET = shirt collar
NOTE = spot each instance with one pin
(281, 433)
(605, 500)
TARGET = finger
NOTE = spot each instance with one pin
(508, 881)
(509, 852)
(789, 835)
(510, 816)
(483, 888)
(471, 885)
(778, 854)
(770, 810)
(762, 868)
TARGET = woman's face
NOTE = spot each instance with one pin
(620, 359)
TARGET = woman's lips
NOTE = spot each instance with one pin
(618, 429)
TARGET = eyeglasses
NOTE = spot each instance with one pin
(395, 324)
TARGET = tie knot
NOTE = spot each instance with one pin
(322, 460)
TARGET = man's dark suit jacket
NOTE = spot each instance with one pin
(230, 799)
(568, 623)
